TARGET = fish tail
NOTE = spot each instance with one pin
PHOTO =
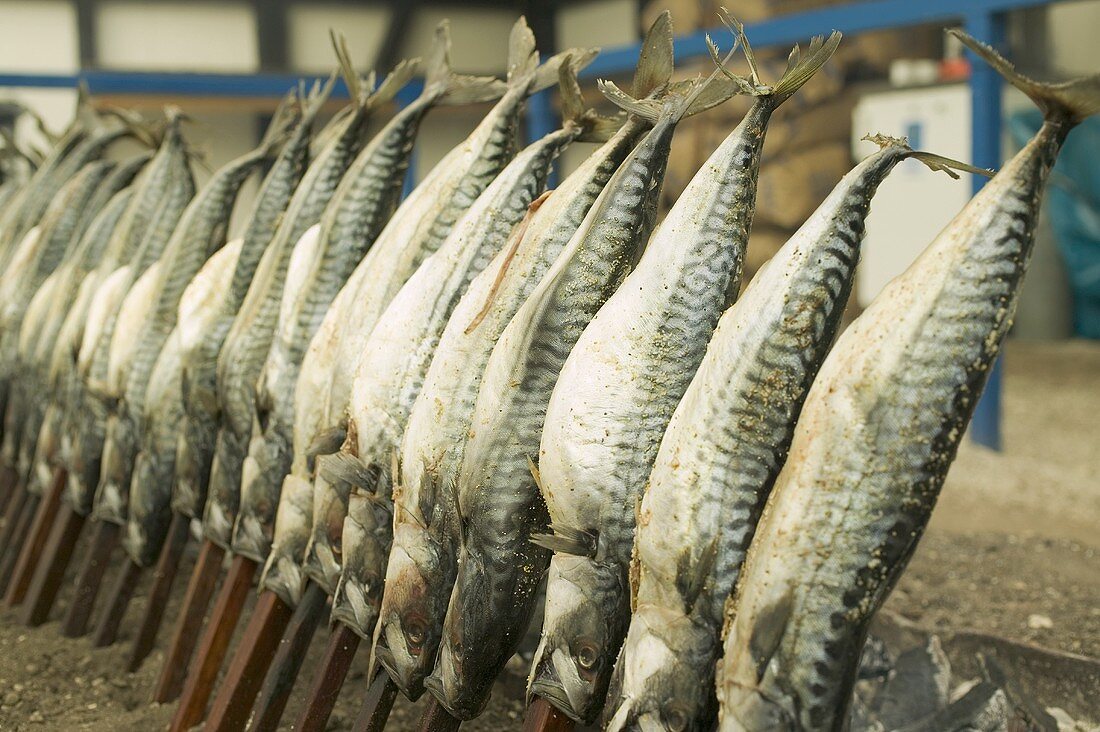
(524, 69)
(800, 69)
(596, 127)
(1068, 101)
(315, 98)
(358, 88)
(935, 162)
(440, 78)
(655, 60)
(401, 75)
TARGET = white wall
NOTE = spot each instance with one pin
(184, 36)
(308, 29)
(599, 23)
(1073, 29)
(479, 36)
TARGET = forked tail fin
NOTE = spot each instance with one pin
(935, 162)
(524, 68)
(596, 127)
(800, 69)
(1071, 101)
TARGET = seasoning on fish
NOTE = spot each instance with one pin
(421, 565)
(721, 453)
(618, 389)
(413, 232)
(498, 503)
(451, 190)
(879, 429)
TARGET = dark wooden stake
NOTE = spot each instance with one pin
(326, 686)
(377, 704)
(106, 629)
(90, 578)
(36, 540)
(542, 716)
(14, 510)
(214, 644)
(204, 579)
(8, 479)
(288, 660)
(437, 719)
(51, 571)
(230, 709)
(21, 527)
(163, 578)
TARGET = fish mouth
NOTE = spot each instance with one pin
(553, 692)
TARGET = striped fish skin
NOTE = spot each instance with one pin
(199, 427)
(400, 349)
(419, 228)
(249, 339)
(421, 566)
(499, 506)
(880, 427)
(358, 213)
(199, 233)
(720, 456)
(324, 383)
(149, 506)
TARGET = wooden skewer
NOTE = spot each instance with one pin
(437, 719)
(20, 529)
(275, 692)
(326, 686)
(89, 579)
(163, 578)
(377, 704)
(106, 630)
(8, 479)
(214, 644)
(18, 499)
(542, 716)
(246, 672)
(200, 589)
(51, 572)
(36, 539)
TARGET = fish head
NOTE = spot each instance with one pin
(418, 584)
(587, 610)
(664, 678)
(473, 647)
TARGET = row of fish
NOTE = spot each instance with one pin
(433, 408)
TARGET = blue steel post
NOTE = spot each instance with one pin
(985, 89)
(541, 121)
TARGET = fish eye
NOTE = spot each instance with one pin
(587, 656)
(676, 719)
(415, 633)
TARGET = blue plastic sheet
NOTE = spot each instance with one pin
(1073, 201)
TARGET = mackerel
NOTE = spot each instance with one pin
(618, 389)
(351, 225)
(418, 229)
(397, 356)
(149, 508)
(200, 232)
(421, 566)
(199, 426)
(241, 359)
(721, 453)
(878, 432)
(498, 503)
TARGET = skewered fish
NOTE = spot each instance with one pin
(618, 389)
(879, 429)
(498, 503)
(721, 452)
